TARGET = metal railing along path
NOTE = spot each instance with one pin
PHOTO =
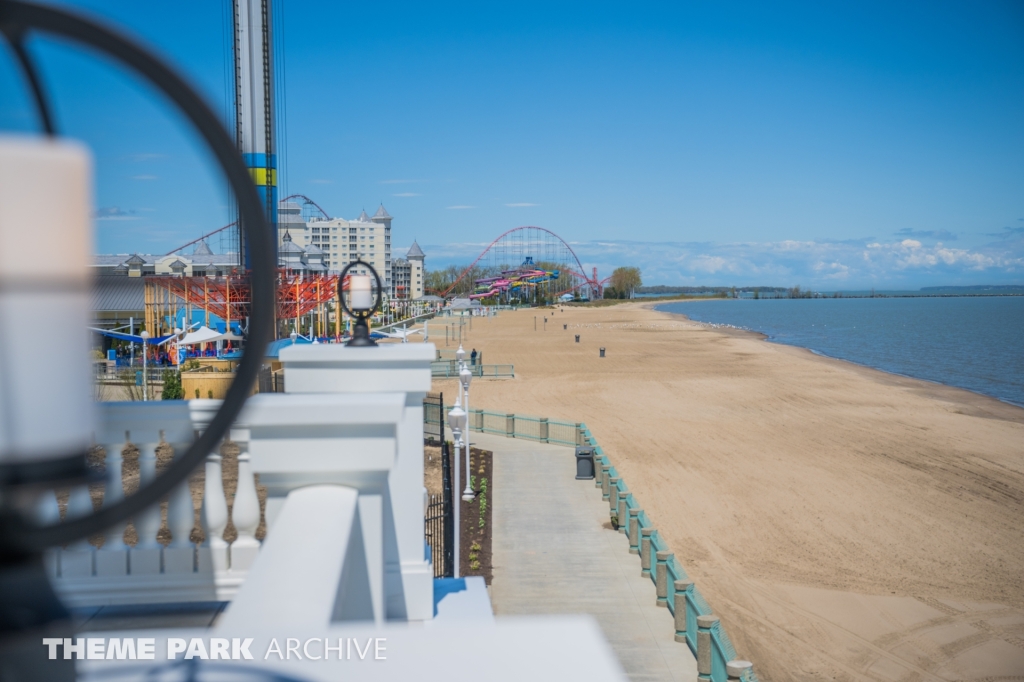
(694, 621)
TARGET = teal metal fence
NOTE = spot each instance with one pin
(696, 610)
(523, 426)
(445, 369)
(722, 650)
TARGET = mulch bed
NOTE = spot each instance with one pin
(476, 516)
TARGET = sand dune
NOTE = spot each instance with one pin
(844, 523)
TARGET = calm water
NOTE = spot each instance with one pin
(973, 343)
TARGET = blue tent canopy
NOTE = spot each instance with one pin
(134, 338)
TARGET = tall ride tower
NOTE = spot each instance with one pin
(254, 105)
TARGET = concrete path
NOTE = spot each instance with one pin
(554, 553)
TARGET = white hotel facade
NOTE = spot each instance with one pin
(343, 241)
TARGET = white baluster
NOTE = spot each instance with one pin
(47, 512)
(215, 517)
(77, 559)
(179, 556)
(112, 559)
(246, 515)
(145, 557)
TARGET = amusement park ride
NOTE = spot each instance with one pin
(543, 258)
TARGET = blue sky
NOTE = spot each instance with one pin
(877, 144)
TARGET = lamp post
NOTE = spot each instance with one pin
(145, 379)
(455, 420)
(294, 335)
(363, 303)
(465, 376)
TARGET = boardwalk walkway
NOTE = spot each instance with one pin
(554, 553)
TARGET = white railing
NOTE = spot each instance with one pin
(151, 572)
(350, 427)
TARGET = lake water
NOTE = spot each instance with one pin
(975, 343)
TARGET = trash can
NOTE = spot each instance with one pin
(584, 463)
(565, 326)
(602, 352)
(577, 338)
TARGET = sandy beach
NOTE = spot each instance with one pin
(844, 523)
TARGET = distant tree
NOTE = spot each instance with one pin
(172, 386)
(626, 280)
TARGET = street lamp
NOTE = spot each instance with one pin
(465, 376)
(145, 379)
(362, 303)
(294, 335)
(456, 418)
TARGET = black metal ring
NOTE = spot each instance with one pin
(380, 289)
(23, 16)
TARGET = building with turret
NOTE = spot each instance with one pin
(407, 274)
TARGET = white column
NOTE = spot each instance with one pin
(214, 553)
(179, 556)
(77, 559)
(246, 515)
(144, 558)
(112, 559)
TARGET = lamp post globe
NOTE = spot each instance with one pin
(456, 418)
(294, 335)
(145, 377)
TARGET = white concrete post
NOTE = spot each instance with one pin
(679, 606)
(112, 559)
(214, 516)
(736, 669)
(645, 552)
(144, 558)
(246, 515)
(661, 577)
(704, 625)
(179, 556)
(634, 533)
(77, 561)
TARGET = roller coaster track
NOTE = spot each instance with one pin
(205, 236)
(307, 200)
(507, 233)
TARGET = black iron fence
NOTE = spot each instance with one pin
(433, 418)
(440, 522)
(271, 381)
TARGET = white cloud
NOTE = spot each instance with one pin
(400, 182)
(321, 181)
(825, 265)
(145, 177)
(460, 207)
(114, 213)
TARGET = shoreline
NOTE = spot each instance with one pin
(761, 336)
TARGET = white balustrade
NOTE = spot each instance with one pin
(112, 561)
(77, 559)
(351, 428)
(150, 572)
(179, 555)
(144, 558)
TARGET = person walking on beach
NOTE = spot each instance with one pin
(472, 358)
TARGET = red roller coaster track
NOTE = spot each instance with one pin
(309, 201)
(591, 281)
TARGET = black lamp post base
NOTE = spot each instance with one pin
(361, 335)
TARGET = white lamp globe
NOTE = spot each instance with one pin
(465, 376)
(456, 418)
(460, 354)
